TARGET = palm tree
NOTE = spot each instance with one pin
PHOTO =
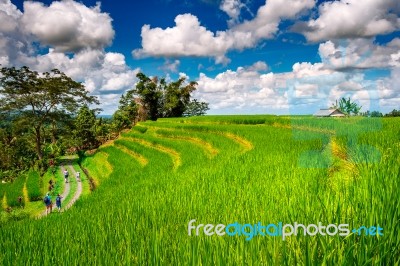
(348, 107)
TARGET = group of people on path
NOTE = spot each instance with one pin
(47, 199)
(66, 175)
(49, 203)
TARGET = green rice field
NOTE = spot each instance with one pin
(154, 179)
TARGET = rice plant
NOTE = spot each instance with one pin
(298, 169)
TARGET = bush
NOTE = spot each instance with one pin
(14, 190)
(33, 186)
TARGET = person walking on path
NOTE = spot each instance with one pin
(58, 202)
(48, 203)
(78, 176)
(20, 201)
(51, 185)
(66, 175)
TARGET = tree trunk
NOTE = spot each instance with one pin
(38, 143)
(53, 133)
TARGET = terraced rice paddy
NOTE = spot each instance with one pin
(160, 175)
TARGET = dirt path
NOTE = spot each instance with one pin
(67, 188)
(78, 190)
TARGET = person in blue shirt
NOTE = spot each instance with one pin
(58, 202)
(48, 203)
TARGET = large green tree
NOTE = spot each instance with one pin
(177, 97)
(85, 128)
(37, 99)
(162, 99)
(127, 111)
(150, 92)
(16, 151)
(196, 108)
(347, 106)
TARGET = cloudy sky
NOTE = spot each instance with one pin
(248, 56)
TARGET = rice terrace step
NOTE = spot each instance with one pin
(203, 132)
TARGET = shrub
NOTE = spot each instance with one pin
(33, 186)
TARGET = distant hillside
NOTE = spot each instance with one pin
(105, 116)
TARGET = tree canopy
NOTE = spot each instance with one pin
(196, 108)
(167, 99)
(38, 99)
(393, 113)
(85, 128)
(126, 114)
(347, 106)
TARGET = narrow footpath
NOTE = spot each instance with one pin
(78, 190)
(67, 189)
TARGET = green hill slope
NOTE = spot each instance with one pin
(220, 170)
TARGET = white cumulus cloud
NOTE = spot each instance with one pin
(189, 38)
(352, 19)
(68, 25)
(360, 53)
(307, 87)
(232, 8)
(171, 66)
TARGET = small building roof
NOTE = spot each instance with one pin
(329, 112)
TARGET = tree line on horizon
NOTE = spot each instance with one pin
(349, 107)
(46, 115)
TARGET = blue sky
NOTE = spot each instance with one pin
(248, 56)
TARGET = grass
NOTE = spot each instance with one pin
(12, 191)
(84, 180)
(33, 186)
(58, 181)
(262, 168)
(99, 166)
